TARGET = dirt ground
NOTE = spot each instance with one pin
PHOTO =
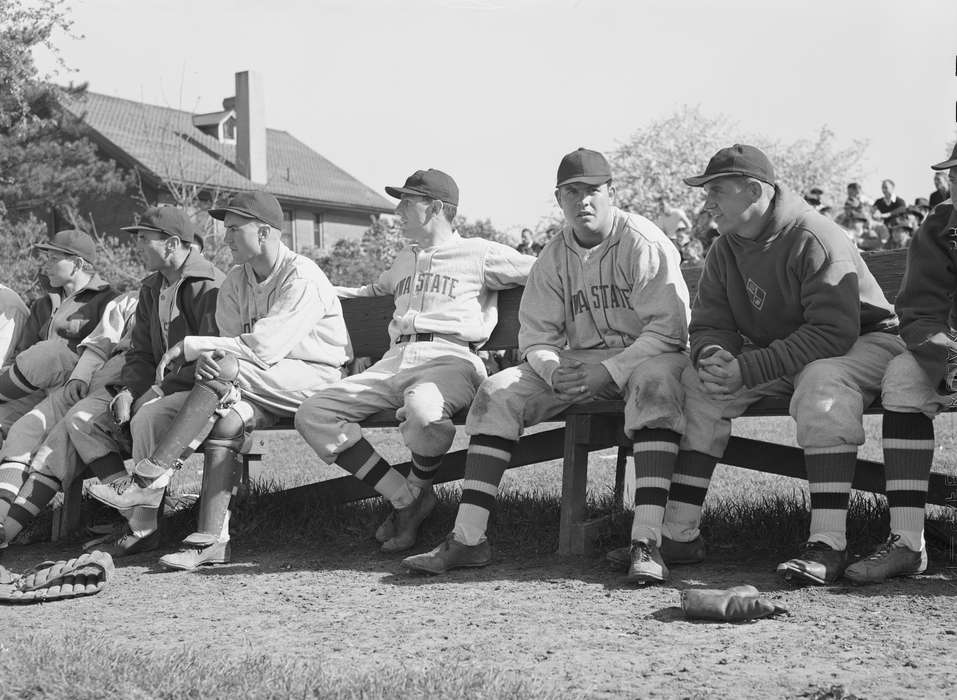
(570, 623)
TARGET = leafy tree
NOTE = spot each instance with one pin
(480, 228)
(351, 263)
(652, 162)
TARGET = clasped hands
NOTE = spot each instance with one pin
(576, 381)
(720, 373)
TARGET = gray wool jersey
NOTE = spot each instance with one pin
(626, 292)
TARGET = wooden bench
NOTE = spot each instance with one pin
(587, 427)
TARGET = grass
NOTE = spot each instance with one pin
(81, 667)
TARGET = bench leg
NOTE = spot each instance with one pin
(621, 476)
(66, 518)
(576, 536)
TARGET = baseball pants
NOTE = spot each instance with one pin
(427, 382)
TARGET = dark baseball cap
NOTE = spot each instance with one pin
(736, 160)
(171, 221)
(71, 242)
(430, 183)
(947, 164)
(583, 165)
(257, 205)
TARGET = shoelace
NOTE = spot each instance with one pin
(643, 551)
(884, 549)
(121, 484)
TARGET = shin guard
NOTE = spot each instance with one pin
(190, 426)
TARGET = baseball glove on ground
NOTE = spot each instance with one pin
(84, 575)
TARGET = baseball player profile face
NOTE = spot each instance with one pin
(414, 214)
(153, 248)
(729, 201)
(587, 208)
(243, 236)
(59, 267)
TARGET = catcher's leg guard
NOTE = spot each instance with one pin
(190, 423)
(222, 474)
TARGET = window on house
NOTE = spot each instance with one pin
(229, 129)
(317, 237)
(287, 236)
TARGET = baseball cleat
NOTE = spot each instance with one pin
(646, 564)
(817, 563)
(125, 493)
(386, 530)
(199, 549)
(890, 559)
(407, 521)
(451, 554)
(673, 553)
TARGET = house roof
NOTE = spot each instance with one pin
(165, 144)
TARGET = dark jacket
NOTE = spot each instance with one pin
(71, 318)
(196, 305)
(927, 302)
(798, 292)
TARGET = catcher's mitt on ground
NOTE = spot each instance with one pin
(84, 575)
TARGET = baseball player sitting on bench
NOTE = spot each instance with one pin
(785, 307)
(49, 353)
(604, 315)
(445, 289)
(176, 300)
(282, 337)
(918, 384)
(14, 319)
(38, 457)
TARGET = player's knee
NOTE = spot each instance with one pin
(228, 431)
(428, 437)
(228, 368)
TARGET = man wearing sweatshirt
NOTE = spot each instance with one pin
(785, 307)
(919, 384)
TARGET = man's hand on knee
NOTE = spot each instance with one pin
(579, 381)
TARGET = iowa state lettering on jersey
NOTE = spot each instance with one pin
(427, 282)
(603, 296)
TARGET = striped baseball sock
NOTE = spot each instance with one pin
(13, 385)
(423, 471)
(655, 452)
(37, 492)
(830, 471)
(908, 456)
(12, 477)
(689, 486)
(485, 464)
(368, 466)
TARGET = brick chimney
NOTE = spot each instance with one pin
(251, 127)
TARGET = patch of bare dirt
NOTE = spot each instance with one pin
(571, 623)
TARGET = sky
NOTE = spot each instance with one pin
(494, 92)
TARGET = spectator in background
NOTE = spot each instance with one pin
(691, 249)
(890, 205)
(854, 192)
(941, 191)
(671, 219)
(705, 229)
(815, 197)
(860, 231)
(901, 231)
(922, 207)
(528, 245)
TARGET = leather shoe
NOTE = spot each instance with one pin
(450, 555)
(407, 521)
(199, 549)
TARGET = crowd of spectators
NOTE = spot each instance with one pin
(887, 223)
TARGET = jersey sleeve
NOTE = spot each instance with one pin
(505, 267)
